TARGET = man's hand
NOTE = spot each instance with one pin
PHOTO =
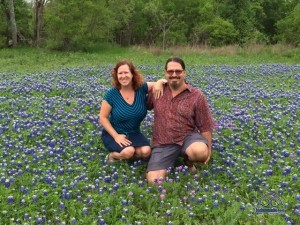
(209, 156)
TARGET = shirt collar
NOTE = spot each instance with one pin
(189, 87)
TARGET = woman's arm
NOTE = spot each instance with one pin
(157, 87)
(104, 121)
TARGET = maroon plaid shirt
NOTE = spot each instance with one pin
(175, 118)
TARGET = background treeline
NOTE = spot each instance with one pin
(81, 25)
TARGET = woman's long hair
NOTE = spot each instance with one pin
(137, 78)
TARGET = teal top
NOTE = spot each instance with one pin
(126, 118)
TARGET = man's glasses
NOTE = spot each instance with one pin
(177, 72)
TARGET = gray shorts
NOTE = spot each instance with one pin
(165, 156)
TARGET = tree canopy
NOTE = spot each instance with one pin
(80, 25)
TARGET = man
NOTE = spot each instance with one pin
(183, 123)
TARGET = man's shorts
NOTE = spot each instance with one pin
(137, 140)
(165, 156)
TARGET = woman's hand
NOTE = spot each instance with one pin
(158, 88)
(121, 139)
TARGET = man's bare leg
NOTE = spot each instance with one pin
(197, 152)
(155, 175)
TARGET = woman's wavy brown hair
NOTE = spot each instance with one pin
(137, 78)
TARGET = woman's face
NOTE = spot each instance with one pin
(124, 76)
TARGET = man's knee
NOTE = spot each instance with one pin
(198, 151)
(156, 176)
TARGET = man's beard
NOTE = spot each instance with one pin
(175, 85)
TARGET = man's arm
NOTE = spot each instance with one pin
(208, 136)
(204, 122)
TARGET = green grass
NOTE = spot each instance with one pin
(69, 160)
(27, 60)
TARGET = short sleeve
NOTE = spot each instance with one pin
(145, 87)
(149, 102)
(108, 97)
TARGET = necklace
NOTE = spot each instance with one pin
(126, 95)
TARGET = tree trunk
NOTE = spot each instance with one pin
(164, 38)
(39, 9)
(5, 16)
(14, 31)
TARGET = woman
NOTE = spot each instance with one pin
(123, 109)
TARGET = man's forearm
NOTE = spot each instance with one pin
(208, 136)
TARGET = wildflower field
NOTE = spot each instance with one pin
(52, 168)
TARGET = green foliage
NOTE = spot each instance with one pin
(76, 25)
(3, 26)
(241, 15)
(218, 33)
(122, 22)
(82, 25)
(206, 12)
(274, 11)
(24, 17)
(138, 21)
(289, 27)
(2, 32)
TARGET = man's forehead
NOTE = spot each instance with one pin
(174, 65)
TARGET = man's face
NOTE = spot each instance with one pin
(175, 75)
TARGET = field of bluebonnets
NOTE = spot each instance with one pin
(52, 168)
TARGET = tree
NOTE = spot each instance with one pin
(206, 12)
(241, 15)
(4, 24)
(14, 30)
(39, 6)
(221, 32)
(18, 29)
(274, 11)
(141, 24)
(211, 29)
(80, 25)
(122, 22)
(77, 24)
(163, 15)
(289, 27)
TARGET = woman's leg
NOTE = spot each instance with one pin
(126, 153)
(142, 152)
